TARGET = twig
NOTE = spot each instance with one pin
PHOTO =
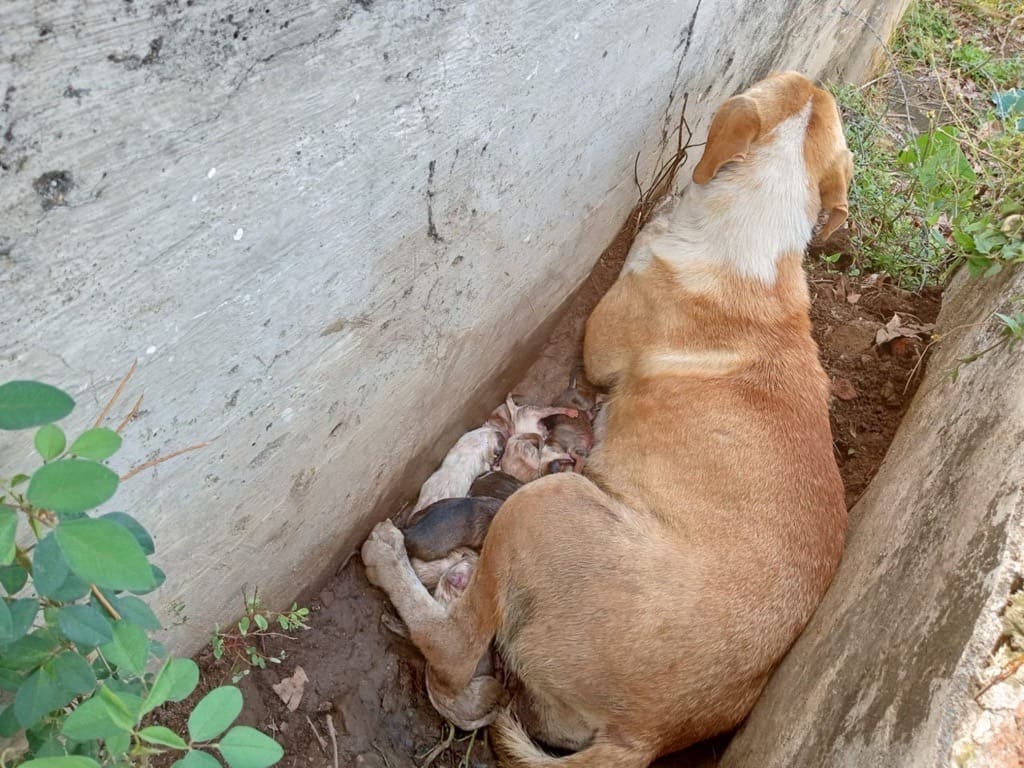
(448, 736)
(1007, 672)
(116, 395)
(334, 738)
(160, 460)
(131, 415)
(319, 738)
(888, 54)
(464, 763)
(104, 602)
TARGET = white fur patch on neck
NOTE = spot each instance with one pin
(751, 213)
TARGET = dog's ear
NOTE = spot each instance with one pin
(735, 126)
(832, 188)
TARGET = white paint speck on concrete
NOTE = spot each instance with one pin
(238, 233)
(150, 350)
(211, 173)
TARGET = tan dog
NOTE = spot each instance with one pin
(643, 606)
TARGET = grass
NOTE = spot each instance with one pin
(945, 188)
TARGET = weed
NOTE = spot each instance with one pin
(243, 644)
(923, 203)
(80, 668)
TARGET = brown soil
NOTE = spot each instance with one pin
(369, 683)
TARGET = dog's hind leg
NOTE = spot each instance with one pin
(452, 639)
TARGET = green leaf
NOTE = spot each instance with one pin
(8, 723)
(158, 734)
(39, 695)
(50, 574)
(26, 404)
(30, 651)
(71, 485)
(137, 612)
(8, 528)
(175, 681)
(91, 720)
(73, 673)
(197, 759)
(261, 621)
(85, 625)
(118, 744)
(129, 649)
(50, 441)
(214, 713)
(64, 761)
(245, 747)
(103, 553)
(23, 613)
(13, 578)
(10, 681)
(123, 708)
(97, 444)
(19, 480)
(135, 527)
(6, 624)
(159, 577)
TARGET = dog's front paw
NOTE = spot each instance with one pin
(384, 555)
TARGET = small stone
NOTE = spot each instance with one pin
(904, 346)
(889, 395)
(843, 389)
(370, 760)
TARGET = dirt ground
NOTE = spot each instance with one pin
(369, 684)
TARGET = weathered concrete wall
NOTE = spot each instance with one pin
(325, 228)
(888, 668)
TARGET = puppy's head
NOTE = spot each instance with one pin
(746, 124)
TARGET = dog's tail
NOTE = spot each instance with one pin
(515, 749)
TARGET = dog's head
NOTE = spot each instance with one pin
(745, 125)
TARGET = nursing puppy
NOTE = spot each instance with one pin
(643, 605)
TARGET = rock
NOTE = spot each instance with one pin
(370, 760)
(843, 389)
(904, 346)
(853, 337)
(886, 672)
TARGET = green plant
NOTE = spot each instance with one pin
(243, 644)
(1011, 332)
(80, 672)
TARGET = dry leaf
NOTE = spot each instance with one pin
(896, 328)
(289, 690)
(852, 298)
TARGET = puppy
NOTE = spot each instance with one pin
(472, 455)
(527, 457)
(642, 606)
(573, 435)
(496, 485)
(449, 524)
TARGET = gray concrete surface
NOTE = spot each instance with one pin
(326, 231)
(887, 671)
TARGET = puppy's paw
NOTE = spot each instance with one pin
(384, 554)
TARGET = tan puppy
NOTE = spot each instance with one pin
(643, 606)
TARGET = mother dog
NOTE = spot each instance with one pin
(643, 606)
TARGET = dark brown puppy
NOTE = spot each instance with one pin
(450, 523)
(573, 434)
(497, 485)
